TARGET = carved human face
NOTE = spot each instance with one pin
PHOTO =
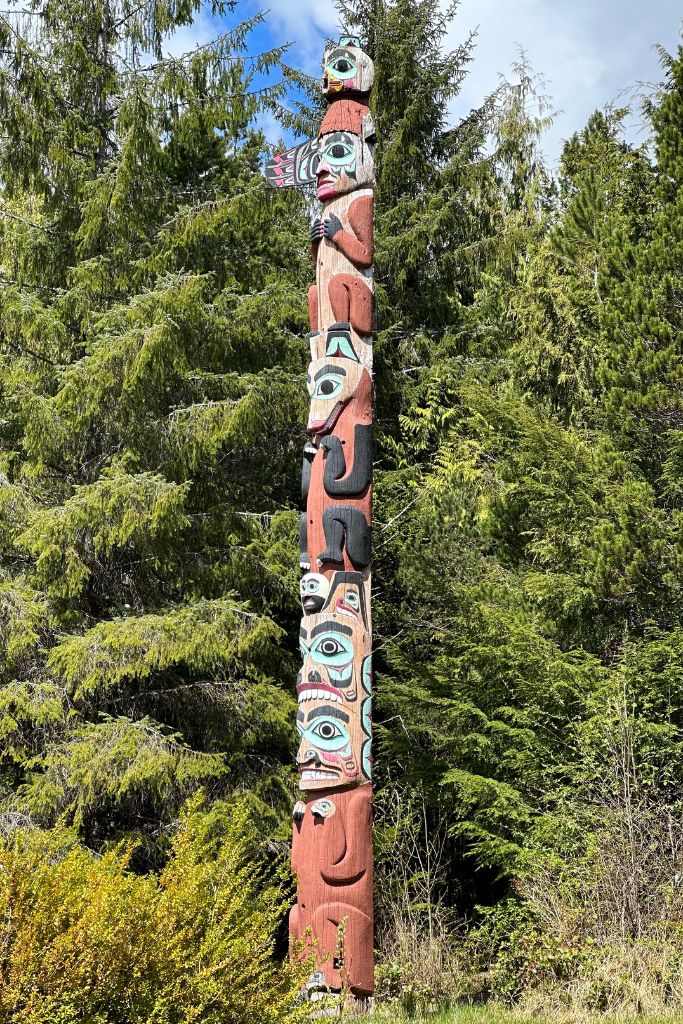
(314, 588)
(345, 163)
(346, 68)
(331, 383)
(334, 689)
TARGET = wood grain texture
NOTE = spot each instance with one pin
(332, 859)
(344, 274)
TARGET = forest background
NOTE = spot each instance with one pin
(528, 544)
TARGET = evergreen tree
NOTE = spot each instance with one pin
(152, 332)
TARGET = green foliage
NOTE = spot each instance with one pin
(85, 939)
(152, 348)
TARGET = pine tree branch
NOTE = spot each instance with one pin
(28, 223)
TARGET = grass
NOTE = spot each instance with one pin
(493, 1014)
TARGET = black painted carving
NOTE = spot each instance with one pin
(309, 454)
(304, 557)
(346, 526)
(336, 483)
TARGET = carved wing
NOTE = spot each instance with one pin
(296, 166)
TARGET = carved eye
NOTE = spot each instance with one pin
(330, 647)
(352, 601)
(329, 386)
(342, 67)
(340, 154)
(327, 731)
(332, 650)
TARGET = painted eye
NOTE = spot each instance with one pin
(342, 67)
(352, 601)
(327, 731)
(329, 386)
(330, 647)
(340, 154)
(333, 651)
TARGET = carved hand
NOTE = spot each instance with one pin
(331, 225)
(316, 231)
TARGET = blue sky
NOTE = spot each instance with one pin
(590, 52)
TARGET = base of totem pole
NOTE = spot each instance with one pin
(328, 1004)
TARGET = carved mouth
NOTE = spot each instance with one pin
(322, 426)
(346, 609)
(318, 691)
(312, 604)
(317, 775)
(310, 771)
(325, 187)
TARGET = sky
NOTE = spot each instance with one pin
(589, 52)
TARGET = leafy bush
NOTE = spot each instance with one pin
(86, 940)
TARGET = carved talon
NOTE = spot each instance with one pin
(299, 810)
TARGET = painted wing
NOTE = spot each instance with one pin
(297, 166)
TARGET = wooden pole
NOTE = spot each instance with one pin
(332, 834)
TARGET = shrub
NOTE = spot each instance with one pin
(84, 939)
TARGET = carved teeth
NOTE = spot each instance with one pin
(310, 775)
(312, 693)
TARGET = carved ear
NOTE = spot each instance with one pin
(368, 129)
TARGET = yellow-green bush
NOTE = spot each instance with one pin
(83, 939)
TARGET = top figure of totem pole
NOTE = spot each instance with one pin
(332, 836)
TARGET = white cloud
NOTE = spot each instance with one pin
(305, 24)
(590, 53)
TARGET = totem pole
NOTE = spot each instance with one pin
(332, 834)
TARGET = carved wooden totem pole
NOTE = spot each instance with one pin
(332, 836)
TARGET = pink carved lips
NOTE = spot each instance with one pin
(326, 185)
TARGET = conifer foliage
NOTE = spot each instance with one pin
(152, 339)
(529, 468)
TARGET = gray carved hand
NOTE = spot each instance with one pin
(331, 225)
(316, 230)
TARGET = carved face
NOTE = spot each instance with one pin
(347, 68)
(333, 689)
(331, 383)
(344, 162)
(314, 588)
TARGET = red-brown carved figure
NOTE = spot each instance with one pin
(342, 440)
(333, 863)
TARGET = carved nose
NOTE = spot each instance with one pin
(314, 677)
(310, 755)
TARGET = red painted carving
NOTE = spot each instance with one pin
(357, 411)
(332, 858)
(344, 116)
